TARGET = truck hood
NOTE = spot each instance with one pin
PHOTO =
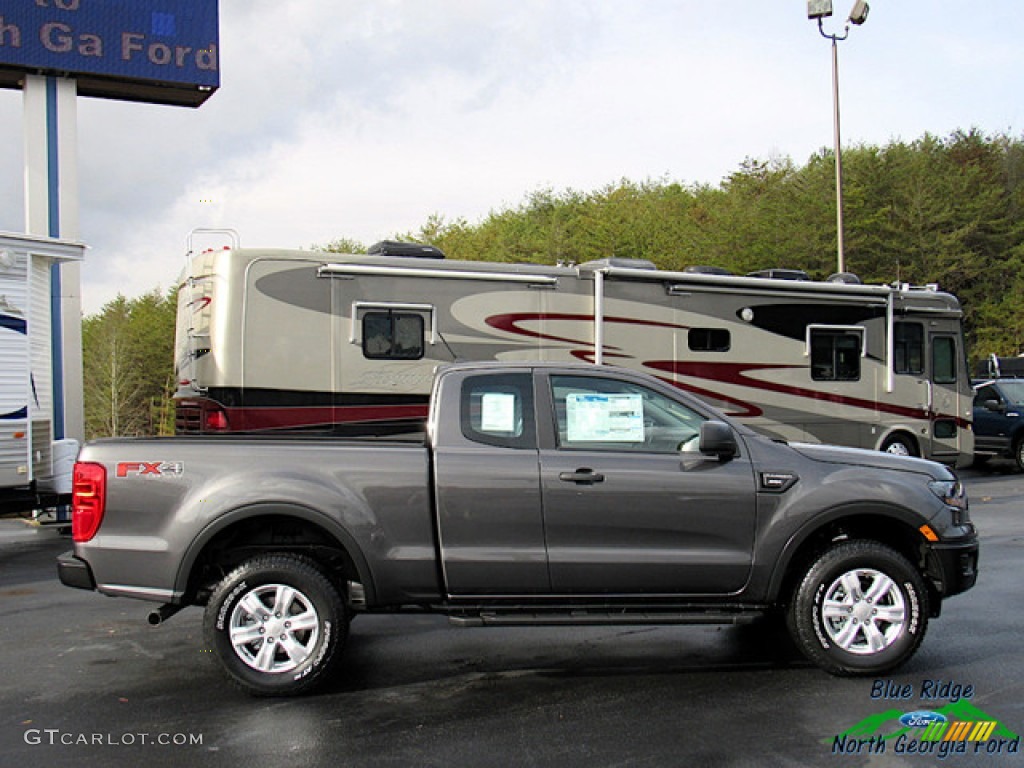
(832, 454)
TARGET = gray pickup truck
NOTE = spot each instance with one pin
(542, 494)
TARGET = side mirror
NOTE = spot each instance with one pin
(718, 439)
(994, 405)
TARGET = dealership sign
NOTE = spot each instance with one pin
(161, 51)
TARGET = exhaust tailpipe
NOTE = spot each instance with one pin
(162, 614)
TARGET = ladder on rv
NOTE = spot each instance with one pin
(190, 284)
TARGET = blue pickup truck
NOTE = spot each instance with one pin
(999, 420)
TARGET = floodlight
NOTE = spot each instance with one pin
(819, 9)
(859, 12)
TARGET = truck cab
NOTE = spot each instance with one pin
(999, 420)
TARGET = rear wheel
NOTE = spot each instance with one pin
(861, 609)
(277, 625)
(1018, 453)
(900, 445)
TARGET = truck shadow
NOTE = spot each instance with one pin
(431, 652)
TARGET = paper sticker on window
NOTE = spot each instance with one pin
(605, 418)
(498, 412)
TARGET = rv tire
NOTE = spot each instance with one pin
(900, 445)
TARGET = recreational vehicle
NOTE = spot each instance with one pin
(274, 340)
(35, 471)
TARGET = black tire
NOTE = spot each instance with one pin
(1018, 453)
(900, 445)
(277, 653)
(861, 609)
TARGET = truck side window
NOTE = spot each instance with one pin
(984, 394)
(835, 355)
(908, 349)
(392, 336)
(708, 340)
(598, 414)
(497, 409)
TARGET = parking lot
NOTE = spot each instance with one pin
(87, 682)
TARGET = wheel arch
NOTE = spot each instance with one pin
(905, 434)
(1016, 440)
(887, 527)
(270, 527)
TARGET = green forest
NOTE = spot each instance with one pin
(935, 210)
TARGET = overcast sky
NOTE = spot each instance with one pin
(360, 119)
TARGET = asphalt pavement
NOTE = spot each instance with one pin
(86, 681)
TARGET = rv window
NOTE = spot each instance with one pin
(708, 340)
(392, 336)
(835, 355)
(908, 348)
(944, 360)
(498, 410)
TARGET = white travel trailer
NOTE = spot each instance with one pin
(272, 340)
(35, 472)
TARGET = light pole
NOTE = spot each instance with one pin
(820, 9)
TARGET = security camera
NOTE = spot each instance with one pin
(819, 9)
(859, 12)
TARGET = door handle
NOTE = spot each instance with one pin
(582, 477)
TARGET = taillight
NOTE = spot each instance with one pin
(216, 421)
(88, 499)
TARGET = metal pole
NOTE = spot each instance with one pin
(598, 317)
(840, 260)
(51, 210)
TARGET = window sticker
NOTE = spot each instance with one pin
(605, 418)
(498, 412)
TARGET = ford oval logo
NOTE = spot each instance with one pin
(921, 719)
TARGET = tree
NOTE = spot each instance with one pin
(128, 367)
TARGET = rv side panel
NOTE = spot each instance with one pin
(41, 362)
(15, 468)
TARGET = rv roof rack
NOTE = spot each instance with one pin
(897, 285)
(211, 232)
(408, 250)
(845, 278)
(995, 367)
(700, 269)
(620, 263)
(780, 274)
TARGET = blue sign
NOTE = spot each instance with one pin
(166, 51)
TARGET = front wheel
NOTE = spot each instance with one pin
(861, 609)
(1018, 453)
(899, 445)
(277, 625)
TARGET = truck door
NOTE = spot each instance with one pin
(630, 505)
(487, 488)
(947, 377)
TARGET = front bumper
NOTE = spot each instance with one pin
(956, 565)
(74, 572)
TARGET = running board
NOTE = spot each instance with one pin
(602, 618)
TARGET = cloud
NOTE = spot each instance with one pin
(340, 118)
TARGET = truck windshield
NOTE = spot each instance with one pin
(1013, 390)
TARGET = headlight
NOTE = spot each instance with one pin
(953, 494)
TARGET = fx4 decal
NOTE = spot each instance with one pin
(150, 468)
